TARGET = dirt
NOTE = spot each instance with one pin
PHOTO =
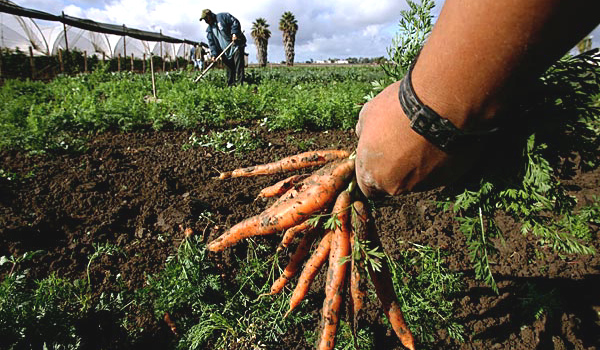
(134, 190)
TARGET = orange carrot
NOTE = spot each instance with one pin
(389, 302)
(358, 292)
(310, 271)
(318, 191)
(336, 274)
(386, 294)
(187, 232)
(281, 187)
(291, 233)
(295, 260)
(170, 323)
(291, 163)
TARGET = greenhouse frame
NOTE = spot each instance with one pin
(20, 31)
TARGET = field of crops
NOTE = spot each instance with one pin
(99, 181)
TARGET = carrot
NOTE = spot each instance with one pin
(310, 271)
(358, 292)
(336, 274)
(291, 232)
(386, 294)
(359, 233)
(295, 260)
(291, 163)
(187, 232)
(318, 191)
(170, 323)
(281, 187)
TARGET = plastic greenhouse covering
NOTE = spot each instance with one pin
(125, 46)
(19, 30)
(21, 33)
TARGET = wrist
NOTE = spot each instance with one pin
(451, 94)
(439, 130)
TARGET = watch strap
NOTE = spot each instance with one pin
(429, 124)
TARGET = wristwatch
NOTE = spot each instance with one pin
(429, 124)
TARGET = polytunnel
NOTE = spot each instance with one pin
(165, 50)
(125, 46)
(77, 39)
(21, 33)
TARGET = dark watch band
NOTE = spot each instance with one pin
(425, 121)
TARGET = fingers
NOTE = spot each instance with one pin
(361, 118)
(366, 181)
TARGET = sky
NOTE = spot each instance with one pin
(326, 29)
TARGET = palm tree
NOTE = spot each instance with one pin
(585, 44)
(289, 26)
(261, 35)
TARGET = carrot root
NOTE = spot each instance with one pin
(281, 187)
(291, 163)
(386, 294)
(292, 232)
(294, 264)
(318, 191)
(336, 274)
(310, 271)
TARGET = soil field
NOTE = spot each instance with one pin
(134, 190)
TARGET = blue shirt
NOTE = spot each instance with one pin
(219, 34)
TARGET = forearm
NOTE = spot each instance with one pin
(478, 59)
(481, 52)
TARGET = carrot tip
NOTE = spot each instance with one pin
(225, 175)
(262, 295)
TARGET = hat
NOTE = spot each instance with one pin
(205, 14)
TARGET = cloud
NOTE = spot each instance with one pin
(327, 29)
(335, 28)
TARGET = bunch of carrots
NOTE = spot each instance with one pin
(329, 191)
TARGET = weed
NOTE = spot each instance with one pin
(99, 250)
(302, 144)
(238, 140)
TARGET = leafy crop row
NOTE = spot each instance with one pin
(55, 115)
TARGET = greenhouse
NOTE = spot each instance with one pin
(39, 33)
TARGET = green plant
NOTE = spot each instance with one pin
(427, 290)
(561, 115)
(536, 302)
(415, 25)
(238, 140)
(17, 260)
(99, 250)
(41, 313)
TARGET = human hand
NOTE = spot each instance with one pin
(392, 158)
(233, 37)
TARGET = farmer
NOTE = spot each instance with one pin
(197, 56)
(480, 56)
(223, 29)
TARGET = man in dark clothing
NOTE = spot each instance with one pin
(223, 29)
